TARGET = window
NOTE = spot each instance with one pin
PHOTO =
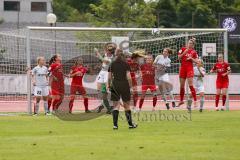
(11, 6)
(39, 6)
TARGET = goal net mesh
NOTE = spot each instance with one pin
(73, 44)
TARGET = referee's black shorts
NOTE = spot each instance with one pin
(120, 89)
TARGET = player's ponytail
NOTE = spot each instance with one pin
(53, 59)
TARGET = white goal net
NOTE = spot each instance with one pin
(20, 49)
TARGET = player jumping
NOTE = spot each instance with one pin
(56, 81)
(77, 72)
(102, 78)
(148, 81)
(223, 69)
(163, 63)
(199, 73)
(40, 83)
(187, 55)
(134, 69)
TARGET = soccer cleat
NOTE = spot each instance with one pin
(153, 109)
(173, 104)
(167, 106)
(200, 110)
(35, 114)
(133, 126)
(189, 109)
(100, 108)
(134, 110)
(222, 109)
(87, 111)
(115, 127)
(216, 109)
(48, 114)
(109, 112)
(195, 104)
(180, 103)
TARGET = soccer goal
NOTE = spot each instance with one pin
(20, 51)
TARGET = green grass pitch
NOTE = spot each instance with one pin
(208, 136)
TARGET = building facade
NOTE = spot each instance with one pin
(29, 11)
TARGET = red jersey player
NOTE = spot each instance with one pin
(223, 69)
(134, 68)
(77, 72)
(187, 55)
(148, 81)
(56, 81)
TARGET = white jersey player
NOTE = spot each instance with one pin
(40, 83)
(163, 63)
(102, 78)
(199, 73)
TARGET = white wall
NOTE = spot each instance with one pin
(25, 14)
(18, 84)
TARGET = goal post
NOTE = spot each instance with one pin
(21, 48)
(153, 35)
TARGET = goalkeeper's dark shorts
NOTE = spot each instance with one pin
(120, 89)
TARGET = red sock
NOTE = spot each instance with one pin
(182, 92)
(71, 105)
(224, 97)
(49, 103)
(192, 89)
(141, 103)
(135, 98)
(54, 104)
(86, 104)
(217, 100)
(154, 101)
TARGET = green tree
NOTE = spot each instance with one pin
(66, 13)
(195, 12)
(166, 14)
(82, 6)
(124, 13)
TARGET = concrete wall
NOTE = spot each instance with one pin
(11, 84)
(25, 14)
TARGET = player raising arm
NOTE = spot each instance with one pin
(148, 81)
(223, 69)
(56, 80)
(187, 56)
(102, 78)
(40, 83)
(162, 63)
(77, 72)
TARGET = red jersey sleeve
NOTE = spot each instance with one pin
(195, 55)
(181, 50)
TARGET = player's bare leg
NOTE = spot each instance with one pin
(182, 91)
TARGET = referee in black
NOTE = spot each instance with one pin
(120, 83)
